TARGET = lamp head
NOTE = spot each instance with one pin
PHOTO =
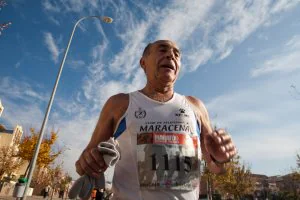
(107, 19)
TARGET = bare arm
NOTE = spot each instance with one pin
(91, 161)
(111, 112)
(206, 129)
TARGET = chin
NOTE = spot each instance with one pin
(168, 79)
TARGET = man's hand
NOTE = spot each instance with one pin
(90, 162)
(220, 145)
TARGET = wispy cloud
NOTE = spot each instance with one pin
(69, 5)
(286, 61)
(217, 35)
(50, 6)
(18, 89)
(75, 64)
(128, 59)
(283, 5)
(26, 114)
(205, 32)
(251, 115)
(17, 65)
(55, 21)
(183, 21)
(30, 113)
(51, 46)
(22, 101)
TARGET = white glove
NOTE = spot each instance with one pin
(85, 184)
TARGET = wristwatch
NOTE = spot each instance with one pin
(218, 162)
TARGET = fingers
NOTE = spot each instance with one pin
(229, 150)
(98, 158)
(79, 169)
(225, 143)
(90, 162)
(221, 137)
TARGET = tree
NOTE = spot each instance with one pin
(289, 189)
(236, 182)
(294, 92)
(58, 180)
(46, 155)
(298, 161)
(52, 175)
(6, 24)
(290, 185)
(9, 162)
(66, 180)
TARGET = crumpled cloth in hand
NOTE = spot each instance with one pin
(83, 186)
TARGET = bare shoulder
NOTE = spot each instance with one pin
(201, 112)
(121, 99)
(118, 103)
(198, 106)
(112, 111)
(116, 106)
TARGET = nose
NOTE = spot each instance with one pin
(170, 54)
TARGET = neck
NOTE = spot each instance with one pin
(161, 94)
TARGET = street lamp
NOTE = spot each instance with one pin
(33, 162)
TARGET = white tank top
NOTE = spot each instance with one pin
(160, 150)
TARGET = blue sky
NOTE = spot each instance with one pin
(239, 57)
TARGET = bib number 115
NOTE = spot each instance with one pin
(187, 162)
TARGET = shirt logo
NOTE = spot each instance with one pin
(181, 113)
(140, 114)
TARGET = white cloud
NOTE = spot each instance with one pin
(75, 64)
(280, 63)
(283, 5)
(181, 19)
(18, 89)
(239, 20)
(206, 31)
(253, 115)
(17, 65)
(99, 50)
(51, 46)
(286, 61)
(27, 115)
(55, 21)
(217, 27)
(216, 33)
(198, 58)
(76, 6)
(74, 132)
(128, 59)
(262, 36)
(47, 5)
(294, 43)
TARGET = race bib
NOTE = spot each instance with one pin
(168, 161)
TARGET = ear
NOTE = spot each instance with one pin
(142, 63)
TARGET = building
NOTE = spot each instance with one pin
(1, 108)
(260, 186)
(10, 137)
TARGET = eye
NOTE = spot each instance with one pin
(177, 54)
(162, 50)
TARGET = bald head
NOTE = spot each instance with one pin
(148, 47)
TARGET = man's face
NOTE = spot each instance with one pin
(162, 63)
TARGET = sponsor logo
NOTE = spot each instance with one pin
(181, 113)
(140, 114)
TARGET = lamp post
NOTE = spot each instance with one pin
(33, 162)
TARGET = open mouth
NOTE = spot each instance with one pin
(168, 67)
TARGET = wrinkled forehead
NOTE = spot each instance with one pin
(166, 43)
